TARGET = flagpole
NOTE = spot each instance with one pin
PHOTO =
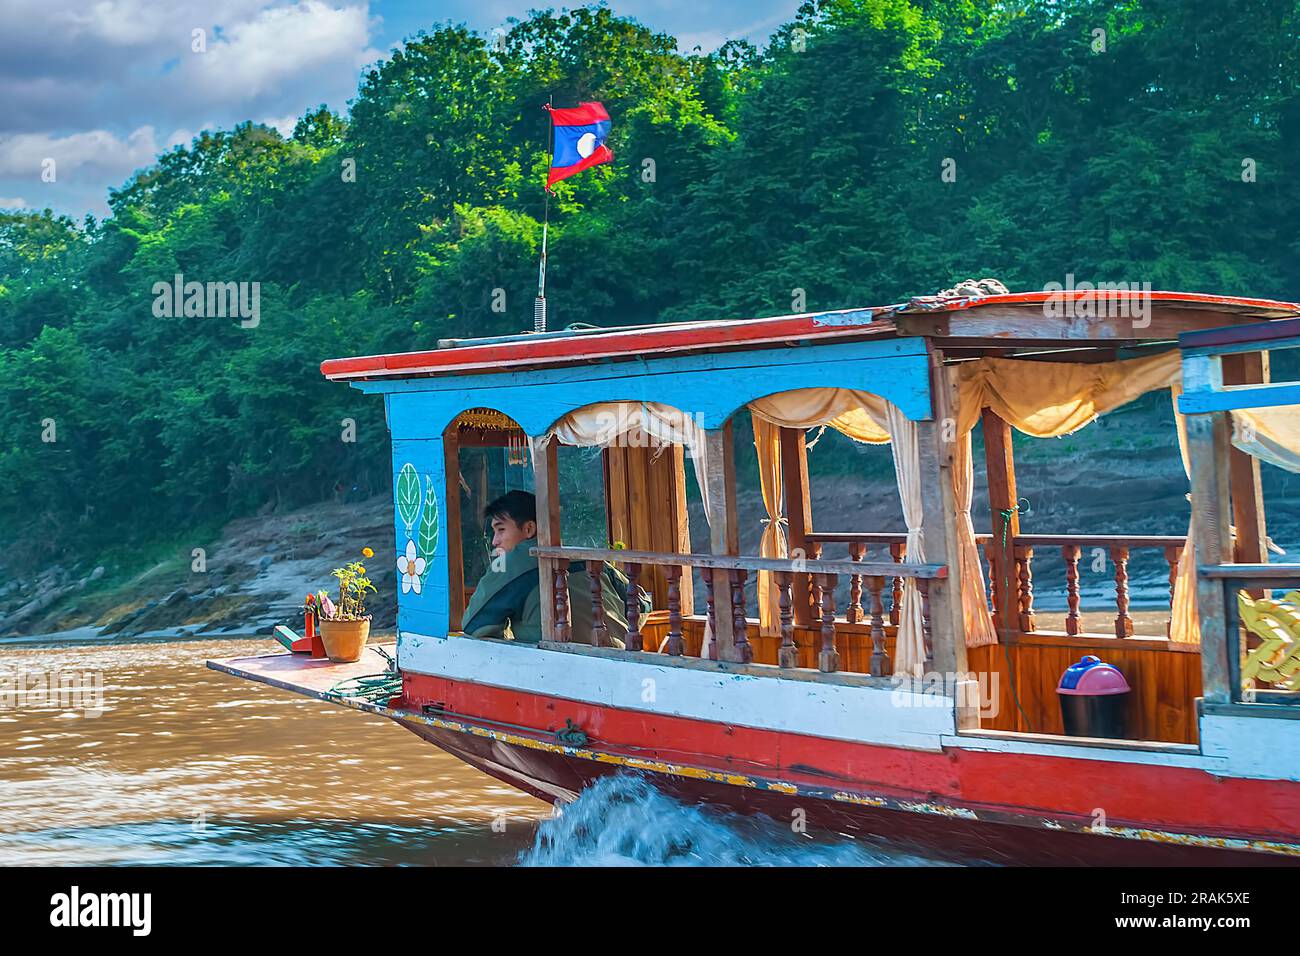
(539, 304)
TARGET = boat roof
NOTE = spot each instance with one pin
(1002, 322)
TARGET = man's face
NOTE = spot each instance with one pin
(506, 533)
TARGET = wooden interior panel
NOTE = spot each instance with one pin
(1165, 681)
(645, 508)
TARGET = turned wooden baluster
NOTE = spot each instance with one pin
(853, 613)
(1123, 623)
(923, 586)
(1024, 559)
(879, 654)
(897, 551)
(991, 554)
(1070, 553)
(599, 628)
(563, 631)
(788, 654)
(1173, 554)
(711, 652)
(814, 594)
(738, 631)
(828, 660)
(676, 646)
(633, 640)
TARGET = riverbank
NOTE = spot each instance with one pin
(252, 576)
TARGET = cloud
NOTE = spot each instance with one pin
(12, 203)
(68, 65)
(25, 153)
(253, 57)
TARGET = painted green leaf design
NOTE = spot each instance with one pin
(428, 535)
(408, 495)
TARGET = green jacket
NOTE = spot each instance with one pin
(506, 602)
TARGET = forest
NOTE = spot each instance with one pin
(869, 151)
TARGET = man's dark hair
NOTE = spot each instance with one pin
(518, 505)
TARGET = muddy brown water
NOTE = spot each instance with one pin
(148, 757)
(186, 765)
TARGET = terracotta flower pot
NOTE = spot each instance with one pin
(344, 640)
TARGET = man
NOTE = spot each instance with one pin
(506, 602)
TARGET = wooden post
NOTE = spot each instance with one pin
(547, 489)
(455, 556)
(724, 539)
(1001, 466)
(939, 538)
(788, 654)
(1070, 553)
(1247, 368)
(1207, 447)
(798, 510)
(633, 641)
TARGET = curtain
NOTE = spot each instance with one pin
(909, 650)
(859, 415)
(767, 443)
(1050, 399)
(865, 417)
(604, 422)
(1270, 434)
(974, 599)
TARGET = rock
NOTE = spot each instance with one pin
(265, 562)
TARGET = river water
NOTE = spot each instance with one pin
(145, 756)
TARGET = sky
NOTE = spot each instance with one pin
(93, 90)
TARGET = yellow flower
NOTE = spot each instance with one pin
(367, 552)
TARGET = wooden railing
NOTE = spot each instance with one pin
(1021, 581)
(729, 574)
(1073, 547)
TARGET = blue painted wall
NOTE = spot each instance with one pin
(711, 386)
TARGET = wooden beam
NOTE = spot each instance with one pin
(1207, 447)
(1247, 368)
(1003, 322)
(1001, 467)
(724, 534)
(939, 533)
(455, 554)
(547, 489)
(798, 510)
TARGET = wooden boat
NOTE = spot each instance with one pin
(868, 719)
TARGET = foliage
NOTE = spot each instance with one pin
(810, 163)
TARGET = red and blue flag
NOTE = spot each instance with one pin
(580, 135)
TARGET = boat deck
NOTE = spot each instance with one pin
(303, 675)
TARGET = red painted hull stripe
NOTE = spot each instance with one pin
(1146, 795)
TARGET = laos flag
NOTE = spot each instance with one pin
(580, 135)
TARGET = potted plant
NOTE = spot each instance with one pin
(345, 626)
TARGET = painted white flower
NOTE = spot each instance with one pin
(411, 567)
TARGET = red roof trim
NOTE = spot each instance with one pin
(654, 339)
(628, 343)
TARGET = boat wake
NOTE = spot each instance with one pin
(623, 820)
